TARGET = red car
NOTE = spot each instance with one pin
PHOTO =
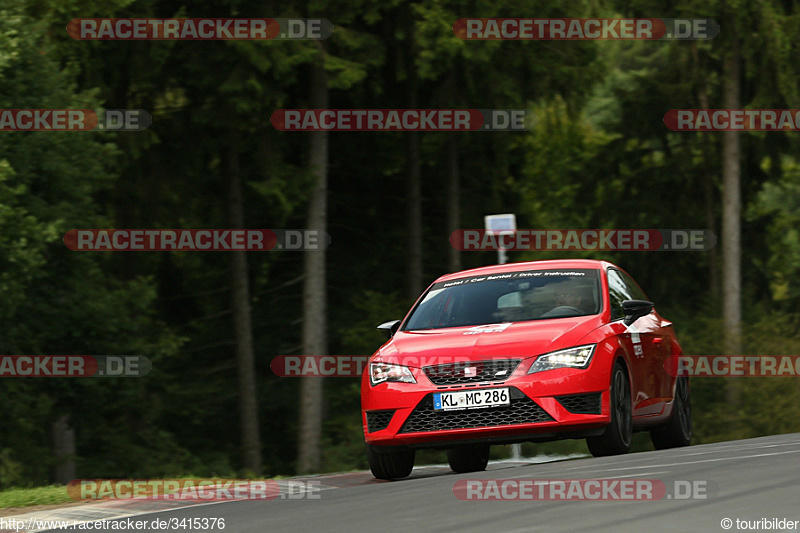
(533, 351)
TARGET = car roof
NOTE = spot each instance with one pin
(529, 265)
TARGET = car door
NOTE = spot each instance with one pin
(638, 340)
(657, 338)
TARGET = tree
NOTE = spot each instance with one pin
(413, 163)
(242, 323)
(731, 205)
(315, 318)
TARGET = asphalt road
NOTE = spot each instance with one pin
(748, 479)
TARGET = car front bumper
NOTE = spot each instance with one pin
(560, 403)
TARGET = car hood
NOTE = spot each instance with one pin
(474, 343)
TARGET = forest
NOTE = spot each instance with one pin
(598, 155)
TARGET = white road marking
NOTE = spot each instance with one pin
(604, 477)
(737, 458)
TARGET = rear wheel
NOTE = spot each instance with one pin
(678, 431)
(471, 458)
(390, 464)
(616, 439)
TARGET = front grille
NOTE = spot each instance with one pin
(588, 404)
(471, 371)
(378, 420)
(522, 410)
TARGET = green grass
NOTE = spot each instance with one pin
(54, 494)
(48, 495)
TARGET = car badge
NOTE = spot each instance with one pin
(470, 372)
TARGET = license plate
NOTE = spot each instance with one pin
(473, 399)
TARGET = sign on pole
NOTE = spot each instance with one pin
(499, 224)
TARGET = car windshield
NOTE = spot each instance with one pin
(508, 297)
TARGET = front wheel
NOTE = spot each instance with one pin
(616, 439)
(678, 431)
(390, 464)
(473, 458)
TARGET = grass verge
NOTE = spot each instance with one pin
(48, 495)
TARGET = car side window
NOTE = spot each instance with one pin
(617, 292)
(633, 287)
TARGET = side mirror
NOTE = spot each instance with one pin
(389, 328)
(635, 309)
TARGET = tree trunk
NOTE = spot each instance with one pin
(731, 222)
(414, 214)
(710, 202)
(63, 450)
(701, 74)
(315, 340)
(453, 201)
(713, 256)
(413, 183)
(242, 329)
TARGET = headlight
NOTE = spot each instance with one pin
(380, 372)
(577, 357)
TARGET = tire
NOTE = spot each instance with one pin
(678, 431)
(472, 458)
(390, 464)
(616, 439)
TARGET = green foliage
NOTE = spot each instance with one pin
(769, 405)
(26, 497)
(369, 309)
(11, 472)
(599, 156)
(778, 203)
(57, 301)
(560, 159)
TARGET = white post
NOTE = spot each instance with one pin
(516, 452)
(500, 224)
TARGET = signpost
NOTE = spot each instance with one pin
(500, 224)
